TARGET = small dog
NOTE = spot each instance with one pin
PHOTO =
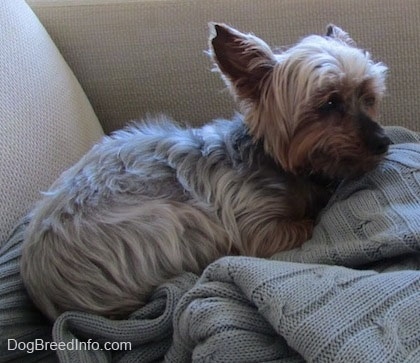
(156, 199)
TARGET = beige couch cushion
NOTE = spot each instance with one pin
(46, 121)
(139, 56)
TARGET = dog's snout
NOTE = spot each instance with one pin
(379, 143)
(376, 140)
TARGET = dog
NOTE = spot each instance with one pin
(156, 199)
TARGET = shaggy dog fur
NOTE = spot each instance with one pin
(157, 199)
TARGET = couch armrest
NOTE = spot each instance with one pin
(139, 56)
(46, 121)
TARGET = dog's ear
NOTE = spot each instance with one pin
(336, 32)
(243, 59)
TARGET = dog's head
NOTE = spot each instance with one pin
(313, 105)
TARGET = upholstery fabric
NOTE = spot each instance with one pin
(46, 121)
(134, 57)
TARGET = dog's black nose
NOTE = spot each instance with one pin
(379, 144)
(374, 135)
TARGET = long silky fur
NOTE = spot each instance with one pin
(155, 199)
(144, 205)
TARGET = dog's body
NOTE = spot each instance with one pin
(156, 199)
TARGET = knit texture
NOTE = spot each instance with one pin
(374, 218)
(299, 306)
(19, 319)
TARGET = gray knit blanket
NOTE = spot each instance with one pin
(350, 294)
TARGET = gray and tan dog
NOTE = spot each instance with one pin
(156, 199)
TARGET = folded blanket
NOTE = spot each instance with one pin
(371, 219)
(250, 310)
(350, 294)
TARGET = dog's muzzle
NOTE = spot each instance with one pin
(374, 135)
(379, 143)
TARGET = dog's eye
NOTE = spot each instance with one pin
(334, 103)
(369, 101)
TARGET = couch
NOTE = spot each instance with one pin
(72, 71)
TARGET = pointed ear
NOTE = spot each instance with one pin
(243, 60)
(336, 32)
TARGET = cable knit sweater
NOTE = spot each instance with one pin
(350, 294)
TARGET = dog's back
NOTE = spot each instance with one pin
(143, 206)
